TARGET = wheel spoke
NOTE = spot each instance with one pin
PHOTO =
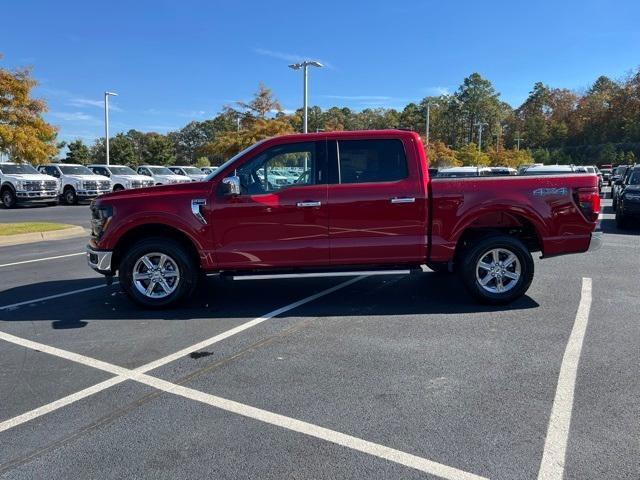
(147, 262)
(141, 276)
(499, 284)
(150, 288)
(165, 286)
(512, 275)
(485, 266)
(496, 256)
(486, 279)
(510, 259)
(170, 274)
(163, 259)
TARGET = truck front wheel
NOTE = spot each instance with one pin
(70, 197)
(8, 198)
(497, 269)
(158, 272)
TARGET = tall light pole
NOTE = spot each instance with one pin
(106, 120)
(480, 126)
(518, 140)
(305, 65)
(428, 119)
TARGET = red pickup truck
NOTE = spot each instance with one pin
(339, 203)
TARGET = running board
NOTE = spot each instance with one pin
(321, 274)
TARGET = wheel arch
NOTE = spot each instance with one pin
(152, 230)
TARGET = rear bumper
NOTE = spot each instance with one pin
(99, 260)
(596, 241)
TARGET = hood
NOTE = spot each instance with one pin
(176, 178)
(632, 188)
(39, 177)
(85, 178)
(160, 192)
(136, 177)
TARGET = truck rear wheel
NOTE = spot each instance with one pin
(158, 272)
(497, 269)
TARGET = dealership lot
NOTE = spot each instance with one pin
(368, 377)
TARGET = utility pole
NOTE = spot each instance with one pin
(480, 126)
(106, 121)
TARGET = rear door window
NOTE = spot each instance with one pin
(371, 161)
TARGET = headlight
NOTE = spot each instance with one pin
(20, 185)
(100, 218)
(78, 183)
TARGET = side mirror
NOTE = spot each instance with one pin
(231, 185)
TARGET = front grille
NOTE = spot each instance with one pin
(38, 185)
(141, 183)
(93, 185)
(90, 185)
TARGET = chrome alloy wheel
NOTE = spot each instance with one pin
(156, 275)
(498, 270)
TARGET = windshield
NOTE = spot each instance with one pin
(634, 179)
(75, 170)
(160, 171)
(192, 171)
(121, 171)
(233, 159)
(23, 168)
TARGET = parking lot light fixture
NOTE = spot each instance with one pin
(304, 66)
(106, 121)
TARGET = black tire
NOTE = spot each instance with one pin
(118, 188)
(186, 267)
(479, 251)
(621, 221)
(70, 197)
(439, 267)
(9, 199)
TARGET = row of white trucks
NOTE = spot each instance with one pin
(48, 184)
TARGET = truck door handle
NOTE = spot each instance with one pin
(308, 204)
(403, 200)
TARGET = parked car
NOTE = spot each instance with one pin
(365, 202)
(549, 170)
(618, 181)
(461, 172)
(498, 171)
(161, 175)
(193, 173)
(522, 168)
(21, 183)
(607, 171)
(628, 204)
(208, 170)
(122, 177)
(77, 182)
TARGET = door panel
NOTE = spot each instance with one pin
(281, 218)
(373, 221)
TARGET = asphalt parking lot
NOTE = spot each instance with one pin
(392, 377)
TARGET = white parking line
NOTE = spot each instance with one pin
(282, 421)
(51, 297)
(35, 413)
(42, 259)
(555, 447)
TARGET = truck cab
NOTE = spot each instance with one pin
(22, 183)
(161, 175)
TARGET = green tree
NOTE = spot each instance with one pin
(24, 135)
(470, 156)
(78, 152)
(158, 150)
(121, 151)
(203, 162)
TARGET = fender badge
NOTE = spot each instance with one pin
(544, 192)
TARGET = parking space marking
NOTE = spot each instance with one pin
(288, 423)
(555, 447)
(123, 373)
(51, 297)
(42, 259)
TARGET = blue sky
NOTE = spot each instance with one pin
(176, 61)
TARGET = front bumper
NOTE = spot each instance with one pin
(596, 241)
(91, 193)
(99, 260)
(40, 196)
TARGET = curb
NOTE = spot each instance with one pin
(22, 238)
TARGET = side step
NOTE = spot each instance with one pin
(354, 273)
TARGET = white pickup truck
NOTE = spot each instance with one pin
(21, 183)
(77, 182)
(193, 173)
(123, 177)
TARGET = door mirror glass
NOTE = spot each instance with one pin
(231, 185)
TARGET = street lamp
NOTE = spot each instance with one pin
(480, 126)
(304, 65)
(106, 120)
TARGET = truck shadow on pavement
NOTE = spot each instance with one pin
(609, 226)
(420, 294)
